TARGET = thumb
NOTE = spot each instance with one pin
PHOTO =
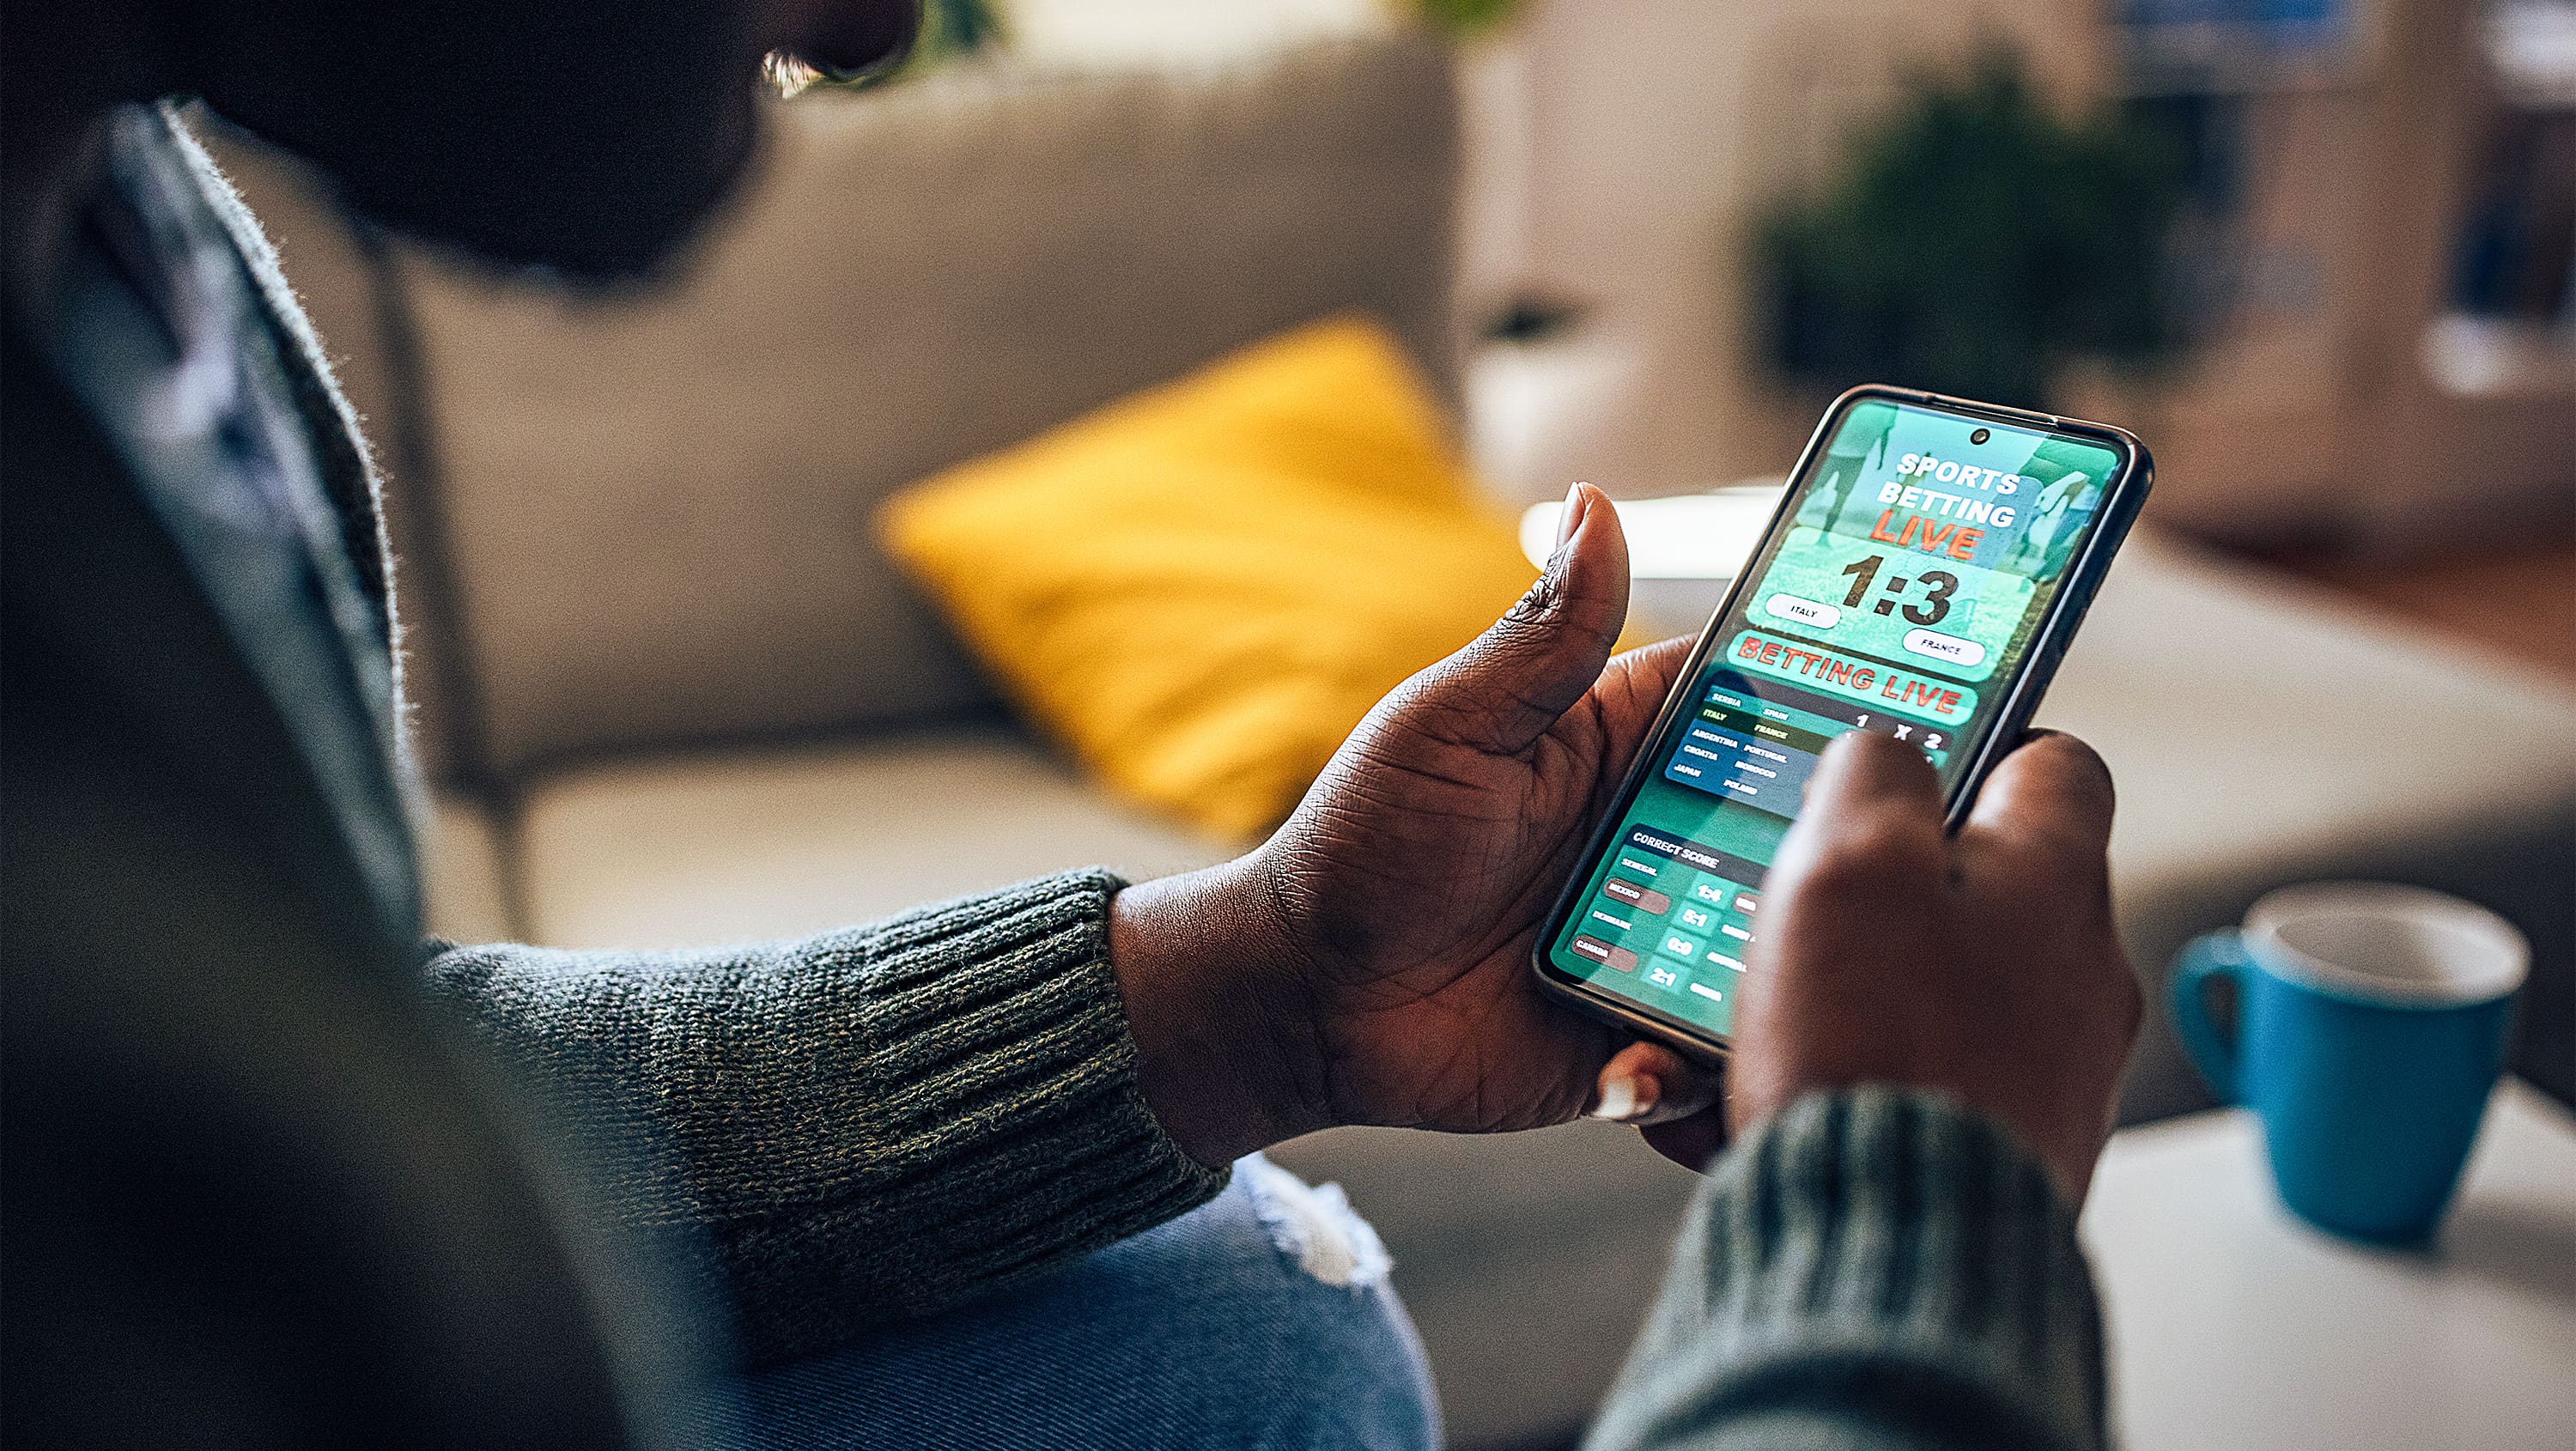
(1503, 691)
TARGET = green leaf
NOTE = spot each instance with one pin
(1973, 241)
(1467, 17)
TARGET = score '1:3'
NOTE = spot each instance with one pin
(1940, 584)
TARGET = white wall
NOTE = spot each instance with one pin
(1654, 133)
(1078, 32)
(1618, 151)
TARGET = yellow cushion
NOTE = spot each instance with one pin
(1202, 588)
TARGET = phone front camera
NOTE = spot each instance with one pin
(1981, 435)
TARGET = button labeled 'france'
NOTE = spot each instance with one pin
(1967, 654)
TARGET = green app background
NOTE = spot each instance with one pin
(2063, 482)
(2061, 485)
(2004, 589)
(1986, 607)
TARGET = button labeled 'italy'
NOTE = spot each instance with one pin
(1965, 653)
(1805, 612)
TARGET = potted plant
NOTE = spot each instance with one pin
(1973, 243)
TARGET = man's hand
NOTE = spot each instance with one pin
(1982, 965)
(1371, 963)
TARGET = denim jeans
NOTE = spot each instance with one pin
(1263, 1319)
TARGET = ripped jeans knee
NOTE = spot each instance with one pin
(1264, 1319)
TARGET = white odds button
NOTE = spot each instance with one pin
(1805, 612)
(1945, 647)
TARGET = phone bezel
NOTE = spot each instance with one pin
(2029, 682)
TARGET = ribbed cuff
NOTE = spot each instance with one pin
(1871, 1258)
(860, 1126)
(1005, 1082)
(996, 1128)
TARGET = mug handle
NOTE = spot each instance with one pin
(2212, 954)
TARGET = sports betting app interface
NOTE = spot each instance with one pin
(1921, 559)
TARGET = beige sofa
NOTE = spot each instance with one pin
(670, 693)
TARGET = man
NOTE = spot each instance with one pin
(276, 1173)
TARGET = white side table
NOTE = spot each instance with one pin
(2235, 1325)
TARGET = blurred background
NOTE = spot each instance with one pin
(2326, 268)
(673, 687)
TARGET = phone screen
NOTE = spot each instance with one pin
(1900, 594)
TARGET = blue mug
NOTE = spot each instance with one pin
(2370, 1027)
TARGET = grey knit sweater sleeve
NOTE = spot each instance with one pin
(869, 1124)
(1871, 1269)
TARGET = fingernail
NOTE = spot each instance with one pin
(1627, 1098)
(1571, 518)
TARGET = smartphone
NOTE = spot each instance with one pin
(1921, 578)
